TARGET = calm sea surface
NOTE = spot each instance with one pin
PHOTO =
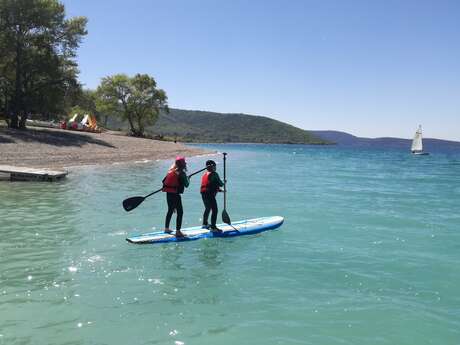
(369, 254)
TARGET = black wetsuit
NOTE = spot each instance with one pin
(175, 202)
(209, 199)
(210, 204)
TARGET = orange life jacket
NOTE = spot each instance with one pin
(171, 182)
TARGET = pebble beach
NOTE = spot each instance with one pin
(57, 149)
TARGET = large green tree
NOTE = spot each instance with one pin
(136, 99)
(38, 47)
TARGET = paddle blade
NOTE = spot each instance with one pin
(131, 203)
(226, 217)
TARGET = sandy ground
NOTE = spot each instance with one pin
(55, 148)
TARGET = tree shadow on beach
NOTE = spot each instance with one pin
(50, 137)
(5, 140)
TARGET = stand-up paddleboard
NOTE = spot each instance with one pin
(242, 227)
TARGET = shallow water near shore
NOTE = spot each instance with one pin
(369, 254)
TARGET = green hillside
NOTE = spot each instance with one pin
(204, 126)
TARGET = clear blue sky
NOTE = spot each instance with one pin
(371, 68)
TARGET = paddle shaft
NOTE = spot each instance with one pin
(131, 203)
(159, 190)
(225, 216)
(225, 180)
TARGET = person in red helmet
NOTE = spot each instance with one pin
(210, 185)
(174, 183)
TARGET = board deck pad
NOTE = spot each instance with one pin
(239, 228)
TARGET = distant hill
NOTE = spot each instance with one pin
(205, 126)
(345, 139)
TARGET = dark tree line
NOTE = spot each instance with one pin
(38, 71)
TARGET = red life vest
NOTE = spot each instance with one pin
(206, 185)
(171, 182)
(205, 182)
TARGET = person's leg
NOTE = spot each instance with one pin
(180, 212)
(207, 207)
(213, 204)
(171, 207)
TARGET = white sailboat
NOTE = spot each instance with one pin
(417, 144)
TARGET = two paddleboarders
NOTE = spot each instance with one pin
(174, 184)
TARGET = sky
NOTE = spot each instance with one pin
(372, 68)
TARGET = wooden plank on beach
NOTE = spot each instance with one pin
(31, 174)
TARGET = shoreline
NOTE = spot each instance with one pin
(38, 147)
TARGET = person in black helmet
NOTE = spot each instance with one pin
(210, 185)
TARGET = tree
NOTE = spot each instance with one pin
(88, 102)
(136, 99)
(85, 102)
(38, 47)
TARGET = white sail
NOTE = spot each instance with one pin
(417, 145)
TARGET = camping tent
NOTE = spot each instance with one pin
(87, 123)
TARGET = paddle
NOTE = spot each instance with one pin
(225, 216)
(131, 203)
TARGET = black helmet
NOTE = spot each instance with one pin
(210, 164)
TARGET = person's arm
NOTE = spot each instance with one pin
(216, 180)
(184, 179)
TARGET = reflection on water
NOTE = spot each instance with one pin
(210, 256)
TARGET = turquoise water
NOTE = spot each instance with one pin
(369, 254)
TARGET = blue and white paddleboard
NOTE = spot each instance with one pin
(242, 227)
